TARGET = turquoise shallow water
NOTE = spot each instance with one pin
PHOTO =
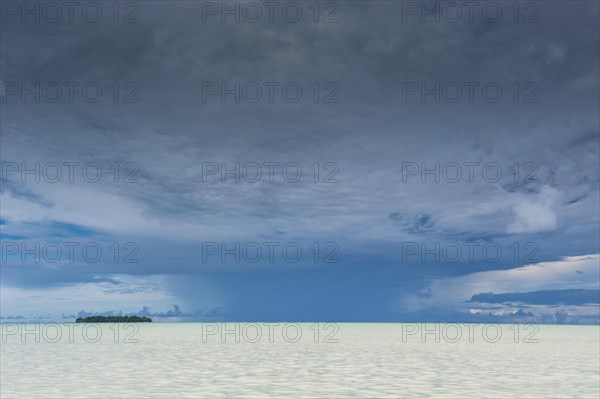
(198, 360)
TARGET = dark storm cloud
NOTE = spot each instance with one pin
(370, 55)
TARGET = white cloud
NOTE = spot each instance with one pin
(535, 213)
(577, 272)
(125, 293)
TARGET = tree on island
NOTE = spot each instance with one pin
(113, 319)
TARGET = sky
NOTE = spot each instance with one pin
(369, 161)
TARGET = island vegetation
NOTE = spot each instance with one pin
(113, 319)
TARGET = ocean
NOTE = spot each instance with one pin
(279, 360)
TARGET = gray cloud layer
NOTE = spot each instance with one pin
(369, 54)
